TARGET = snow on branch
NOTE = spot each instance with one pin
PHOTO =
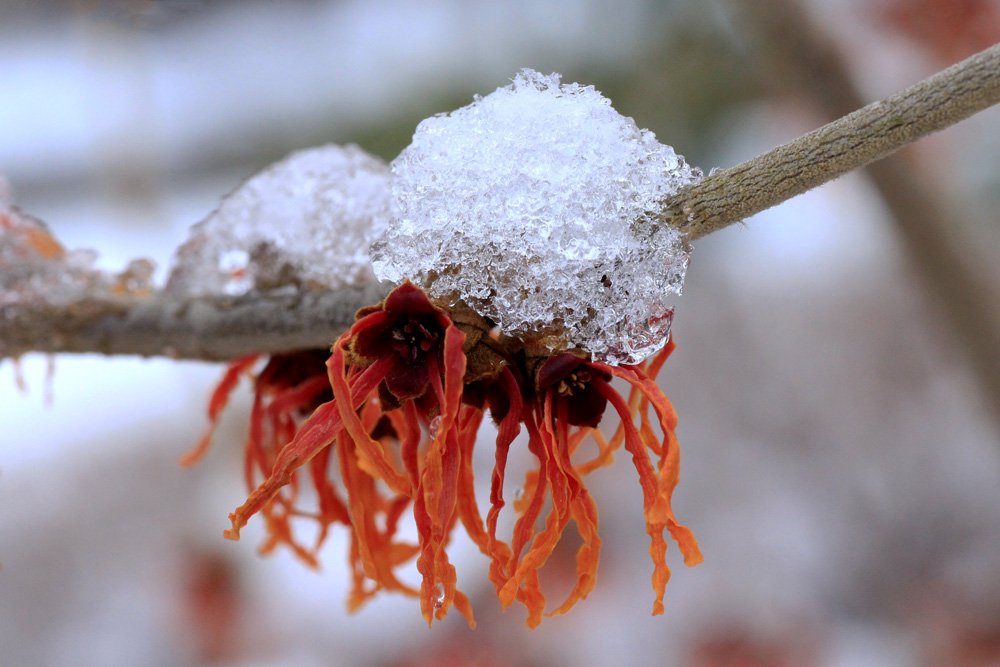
(217, 328)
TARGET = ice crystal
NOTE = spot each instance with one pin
(306, 221)
(534, 205)
(35, 268)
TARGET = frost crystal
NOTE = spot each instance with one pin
(306, 221)
(534, 205)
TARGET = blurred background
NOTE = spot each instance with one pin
(835, 376)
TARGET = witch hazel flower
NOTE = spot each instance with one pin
(529, 275)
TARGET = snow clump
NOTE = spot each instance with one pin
(536, 206)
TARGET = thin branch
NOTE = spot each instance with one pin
(221, 328)
(869, 134)
(215, 329)
(795, 51)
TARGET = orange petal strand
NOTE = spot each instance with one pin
(524, 529)
(410, 445)
(510, 427)
(655, 506)
(635, 376)
(344, 397)
(447, 430)
(447, 583)
(377, 554)
(361, 519)
(220, 397)
(669, 472)
(540, 444)
(360, 593)
(649, 438)
(464, 607)
(669, 475)
(279, 531)
(435, 499)
(467, 507)
(522, 502)
(255, 457)
(582, 509)
(541, 548)
(302, 394)
(531, 597)
(331, 507)
(316, 433)
(661, 573)
(587, 557)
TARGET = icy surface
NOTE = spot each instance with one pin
(533, 205)
(36, 269)
(306, 221)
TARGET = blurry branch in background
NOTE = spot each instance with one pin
(796, 54)
(227, 328)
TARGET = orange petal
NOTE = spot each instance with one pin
(345, 397)
(316, 433)
(220, 397)
(508, 430)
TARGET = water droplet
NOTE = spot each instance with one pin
(438, 596)
(519, 493)
(433, 427)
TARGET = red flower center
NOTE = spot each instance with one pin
(573, 382)
(414, 338)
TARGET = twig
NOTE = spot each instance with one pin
(871, 133)
(798, 53)
(214, 329)
(219, 329)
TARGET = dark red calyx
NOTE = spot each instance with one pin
(294, 368)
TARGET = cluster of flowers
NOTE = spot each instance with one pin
(399, 402)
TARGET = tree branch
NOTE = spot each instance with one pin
(795, 52)
(879, 129)
(215, 329)
(227, 328)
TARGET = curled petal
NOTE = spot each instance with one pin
(510, 426)
(347, 401)
(656, 506)
(317, 432)
(220, 397)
